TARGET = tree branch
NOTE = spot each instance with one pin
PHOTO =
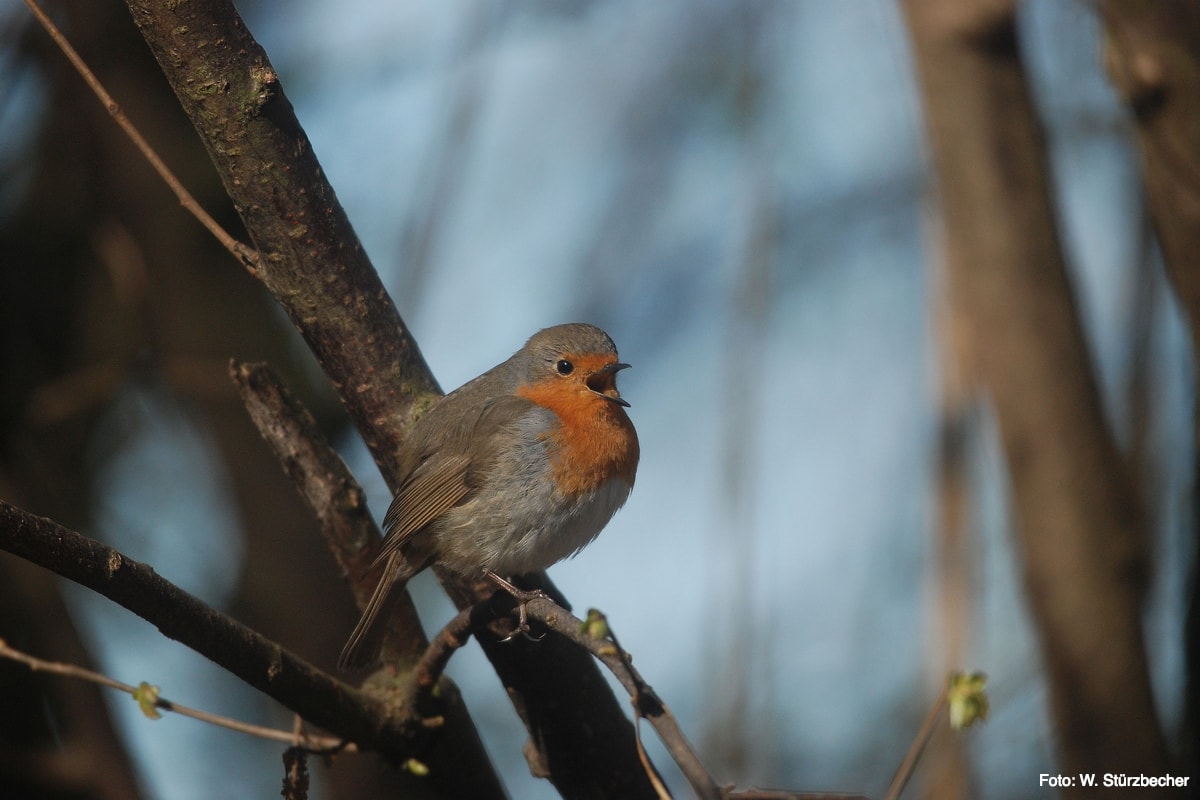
(338, 708)
(595, 637)
(63, 728)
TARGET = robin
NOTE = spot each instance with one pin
(510, 473)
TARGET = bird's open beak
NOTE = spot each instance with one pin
(604, 383)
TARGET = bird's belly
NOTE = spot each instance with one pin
(511, 535)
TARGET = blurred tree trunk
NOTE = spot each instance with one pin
(1080, 531)
(1153, 56)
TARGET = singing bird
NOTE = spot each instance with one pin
(510, 473)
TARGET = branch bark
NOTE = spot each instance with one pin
(1080, 531)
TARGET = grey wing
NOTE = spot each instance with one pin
(446, 478)
(434, 487)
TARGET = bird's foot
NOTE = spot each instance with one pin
(523, 598)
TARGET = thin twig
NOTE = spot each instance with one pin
(644, 757)
(247, 255)
(318, 744)
(605, 647)
(911, 758)
(638, 713)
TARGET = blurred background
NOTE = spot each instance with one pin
(737, 192)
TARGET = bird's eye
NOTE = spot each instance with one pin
(564, 367)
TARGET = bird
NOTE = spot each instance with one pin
(510, 473)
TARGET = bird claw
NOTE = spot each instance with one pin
(523, 597)
(523, 628)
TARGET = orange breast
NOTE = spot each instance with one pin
(595, 442)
